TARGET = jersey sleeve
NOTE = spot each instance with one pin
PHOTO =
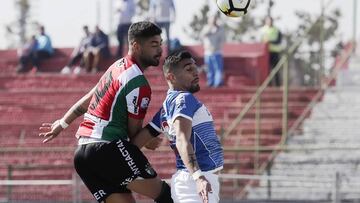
(154, 126)
(185, 105)
(138, 101)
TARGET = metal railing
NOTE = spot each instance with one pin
(285, 133)
(256, 100)
(334, 185)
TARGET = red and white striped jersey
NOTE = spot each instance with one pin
(122, 92)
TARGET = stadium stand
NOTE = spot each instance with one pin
(28, 100)
(325, 166)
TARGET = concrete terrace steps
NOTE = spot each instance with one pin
(223, 94)
(8, 80)
(165, 166)
(331, 135)
(239, 59)
(36, 157)
(48, 99)
(234, 99)
(162, 165)
(292, 193)
(19, 92)
(298, 170)
(11, 118)
(23, 112)
(265, 140)
(28, 100)
(84, 81)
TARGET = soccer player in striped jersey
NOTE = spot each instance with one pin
(189, 126)
(109, 165)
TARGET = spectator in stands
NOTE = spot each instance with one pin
(78, 52)
(163, 12)
(44, 49)
(26, 54)
(273, 36)
(37, 50)
(175, 45)
(98, 50)
(188, 125)
(213, 35)
(109, 165)
(126, 11)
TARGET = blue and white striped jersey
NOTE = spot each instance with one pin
(207, 148)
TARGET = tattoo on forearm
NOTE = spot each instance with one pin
(192, 160)
(79, 111)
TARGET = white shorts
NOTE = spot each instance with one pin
(183, 188)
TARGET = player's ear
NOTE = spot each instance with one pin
(135, 45)
(169, 76)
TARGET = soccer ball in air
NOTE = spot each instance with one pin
(233, 8)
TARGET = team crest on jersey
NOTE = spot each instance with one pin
(162, 112)
(180, 101)
(149, 169)
(164, 126)
(145, 103)
(120, 63)
(166, 130)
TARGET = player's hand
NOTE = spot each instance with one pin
(50, 130)
(153, 143)
(203, 188)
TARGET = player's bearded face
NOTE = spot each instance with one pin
(150, 60)
(194, 85)
(151, 51)
(194, 88)
(188, 76)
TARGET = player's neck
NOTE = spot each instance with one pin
(137, 60)
(176, 88)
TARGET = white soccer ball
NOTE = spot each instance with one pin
(233, 8)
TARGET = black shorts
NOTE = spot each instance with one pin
(107, 168)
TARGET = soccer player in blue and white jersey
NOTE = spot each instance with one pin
(190, 128)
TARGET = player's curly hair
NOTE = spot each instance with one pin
(143, 30)
(174, 58)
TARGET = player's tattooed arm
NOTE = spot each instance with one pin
(51, 130)
(183, 133)
(79, 108)
(192, 160)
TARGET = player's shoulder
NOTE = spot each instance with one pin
(185, 94)
(184, 97)
(176, 93)
(124, 63)
(127, 68)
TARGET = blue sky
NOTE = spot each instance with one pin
(63, 19)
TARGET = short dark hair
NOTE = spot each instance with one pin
(143, 30)
(173, 60)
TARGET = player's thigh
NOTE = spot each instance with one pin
(148, 187)
(136, 171)
(183, 188)
(120, 198)
(101, 183)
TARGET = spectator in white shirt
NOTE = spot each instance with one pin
(126, 11)
(163, 13)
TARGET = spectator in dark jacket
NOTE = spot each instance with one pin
(26, 53)
(98, 50)
(78, 52)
